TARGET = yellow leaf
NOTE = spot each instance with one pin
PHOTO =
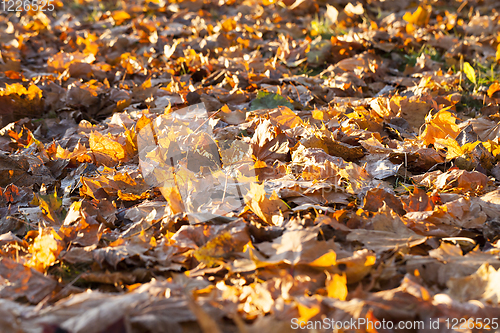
(306, 313)
(130, 142)
(420, 17)
(370, 260)
(327, 259)
(410, 28)
(453, 148)
(319, 114)
(51, 207)
(44, 250)
(469, 72)
(174, 199)
(492, 146)
(228, 24)
(468, 147)
(107, 145)
(442, 125)
(336, 286)
(119, 16)
(142, 123)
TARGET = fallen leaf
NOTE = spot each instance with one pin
(269, 209)
(480, 286)
(336, 286)
(442, 125)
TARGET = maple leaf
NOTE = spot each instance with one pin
(440, 126)
(453, 148)
(44, 249)
(269, 143)
(285, 118)
(108, 146)
(269, 209)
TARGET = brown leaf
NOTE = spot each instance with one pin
(20, 281)
(269, 143)
(389, 232)
(482, 285)
(418, 201)
(375, 199)
(270, 209)
(486, 129)
(461, 181)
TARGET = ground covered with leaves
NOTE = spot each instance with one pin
(366, 140)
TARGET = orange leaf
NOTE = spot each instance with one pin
(336, 286)
(442, 125)
(420, 17)
(119, 16)
(268, 209)
(107, 145)
(131, 196)
(307, 313)
(326, 260)
(285, 118)
(493, 89)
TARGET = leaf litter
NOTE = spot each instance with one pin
(222, 166)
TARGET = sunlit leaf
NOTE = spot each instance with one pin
(268, 209)
(119, 16)
(419, 17)
(44, 250)
(107, 145)
(441, 125)
(336, 286)
(307, 313)
(469, 72)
